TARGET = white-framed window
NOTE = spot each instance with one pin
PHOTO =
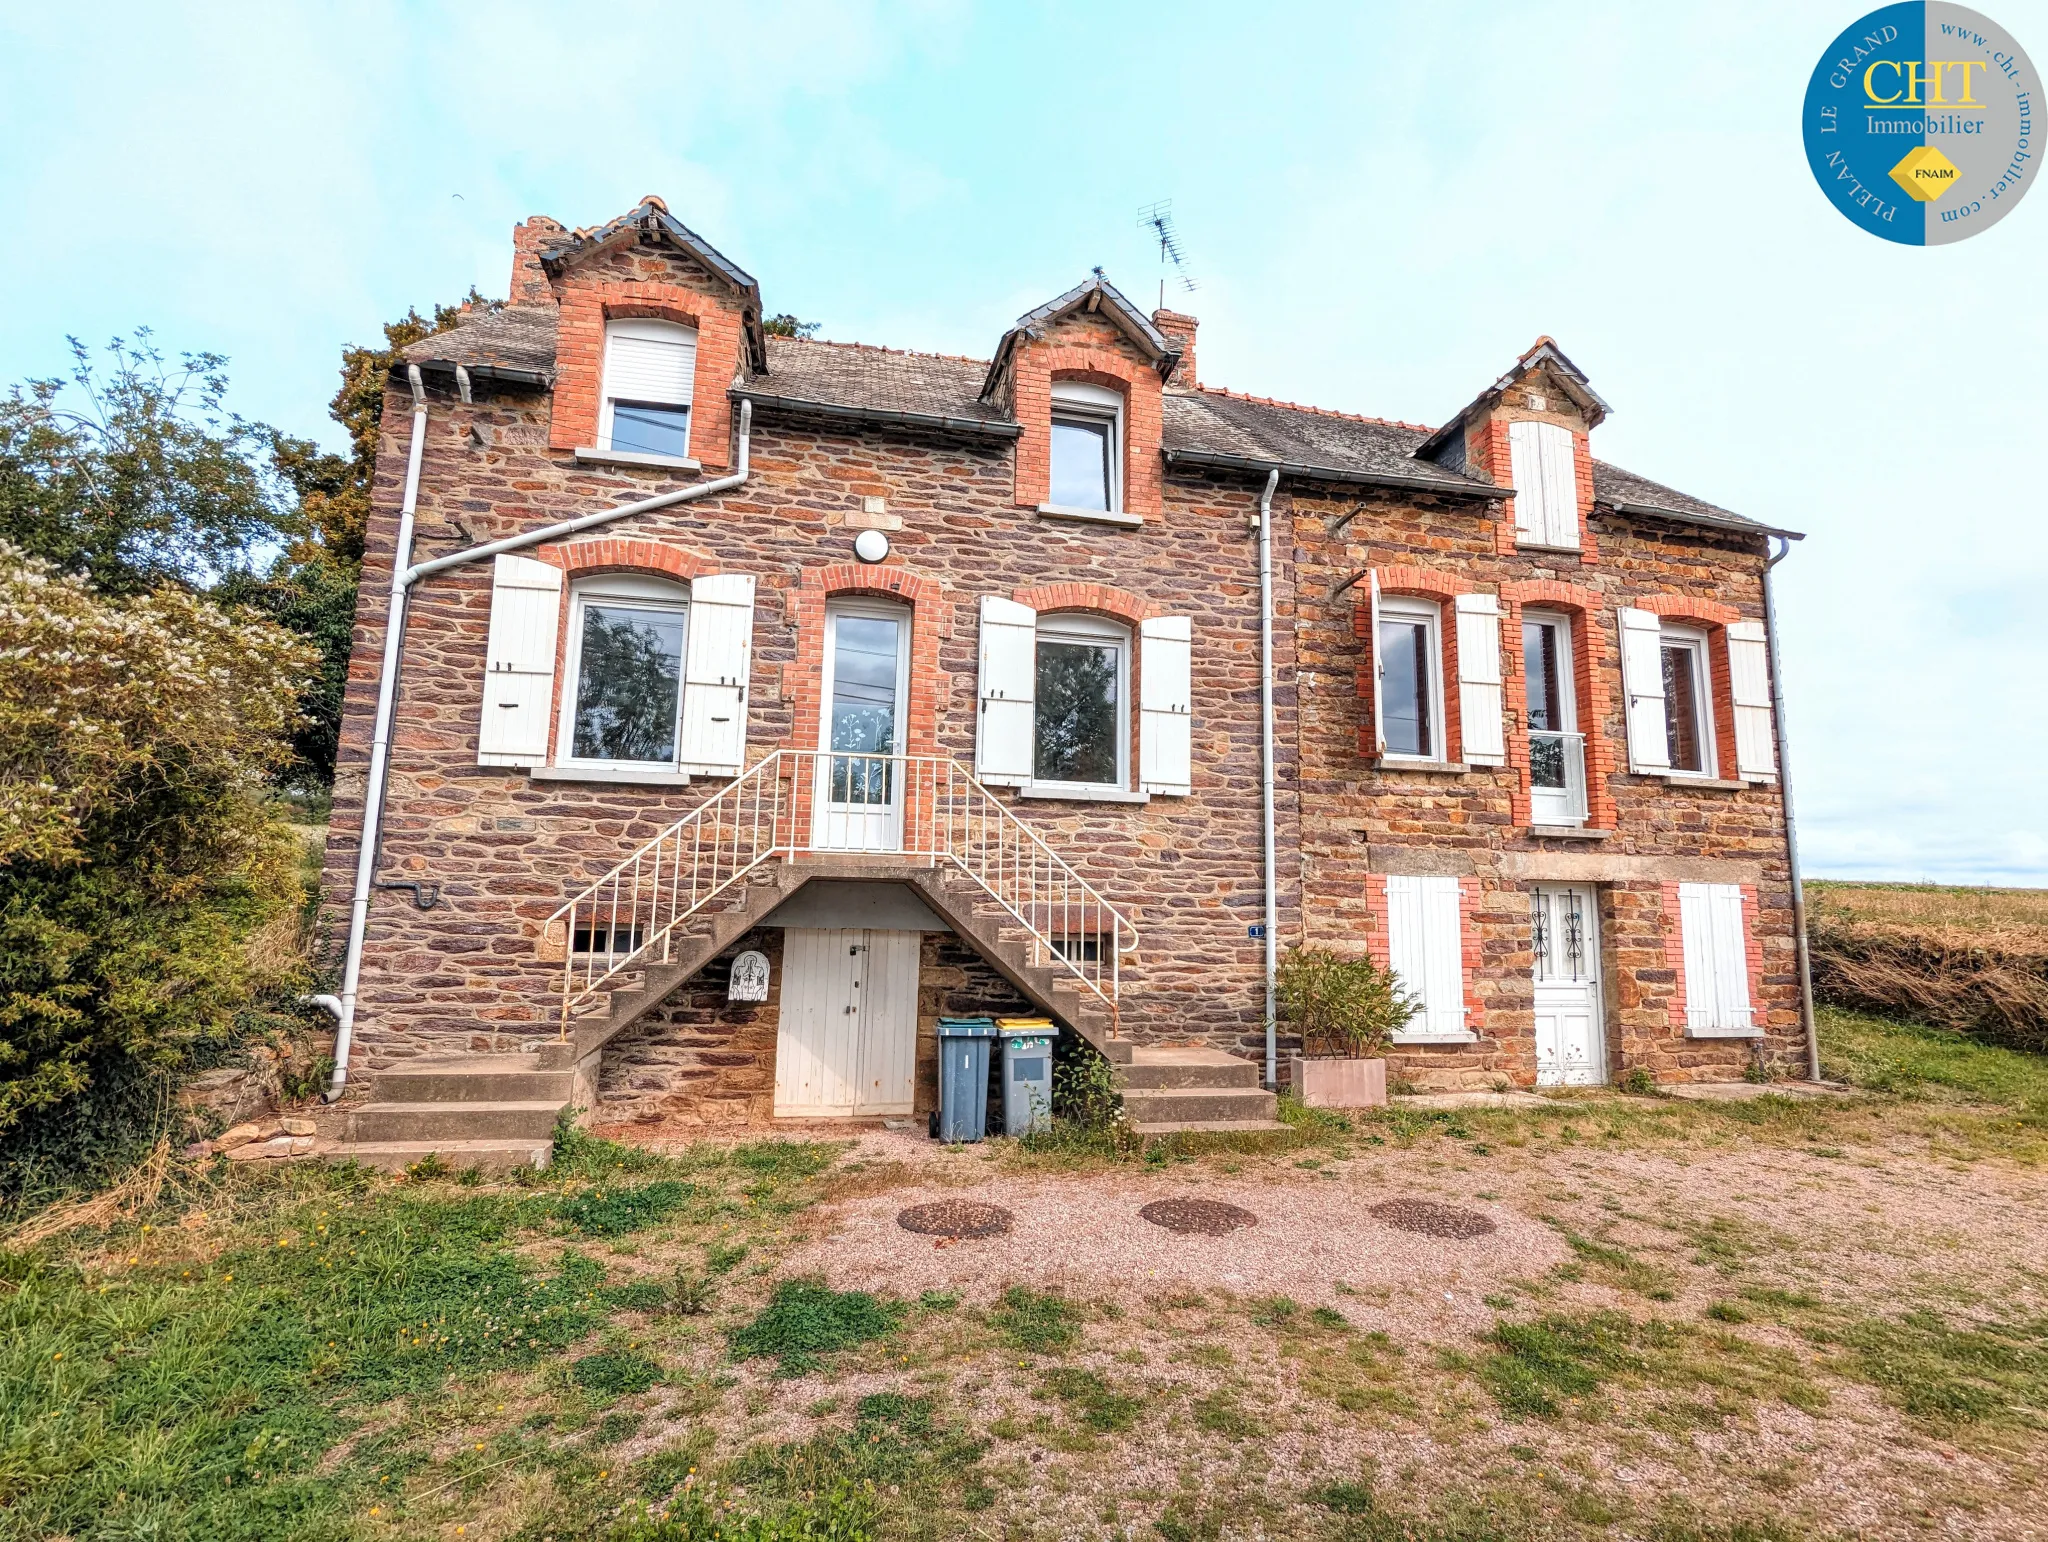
(1410, 694)
(1546, 484)
(1087, 447)
(622, 697)
(1715, 934)
(650, 371)
(1426, 950)
(1557, 751)
(1688, 701)
(1081, 732)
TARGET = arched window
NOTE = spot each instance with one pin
(650, 370)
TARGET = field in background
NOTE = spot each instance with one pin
(1973, 961)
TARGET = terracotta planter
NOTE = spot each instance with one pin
(1327, 1081)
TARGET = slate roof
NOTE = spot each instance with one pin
(517, 338)
(1206, 427)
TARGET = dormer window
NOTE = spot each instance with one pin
(650, 371)
(1546, 485)
(1087, 447)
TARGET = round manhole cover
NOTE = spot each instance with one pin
(955, 1218)
(1432, 1219)
(1206, 1217)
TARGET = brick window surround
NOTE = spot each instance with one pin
(1713, 617)
(1486, 448)
(1752, 949)
(587, 304)
(1419, 583)
(930, 617)
(1118, 605)
(611, 554)
(1036, 367)
(1584, 608)
(1379, 946)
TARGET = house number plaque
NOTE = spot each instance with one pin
(749, 978)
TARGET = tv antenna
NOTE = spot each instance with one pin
(1158, 217)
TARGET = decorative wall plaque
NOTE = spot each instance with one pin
(749, 978)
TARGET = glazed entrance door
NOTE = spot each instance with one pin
(847, 1044)
(1571, 1043)
(860, 783)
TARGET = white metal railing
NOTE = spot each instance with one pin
(796, 802)
(1557, 777)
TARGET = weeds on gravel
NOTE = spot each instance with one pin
(807, 1318)
(1099, 1407)
(616, 1372)
(897, 1450)
(1025, 1319)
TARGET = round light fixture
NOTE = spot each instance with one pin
(871, 546)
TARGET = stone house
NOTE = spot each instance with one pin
(1056, 682)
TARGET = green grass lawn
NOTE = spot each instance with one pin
(597, 1351)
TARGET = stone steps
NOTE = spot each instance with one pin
(1158, 1068)
(1198, 1105)
(474, 1079)
(1208, 1127)
(465, 1119)
(491, 1156)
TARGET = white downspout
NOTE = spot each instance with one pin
(1266, 771)
(1791, 831)
(404, 574)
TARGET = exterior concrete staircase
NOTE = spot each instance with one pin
(500, 1110)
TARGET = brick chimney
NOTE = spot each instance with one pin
(1179, 330)
(529, 279)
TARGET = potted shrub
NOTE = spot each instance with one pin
(1346, 1010)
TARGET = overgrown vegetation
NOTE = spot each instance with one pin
(807, 1319)
(1973, 961)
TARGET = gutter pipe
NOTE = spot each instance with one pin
(1791, 834)
(403, 577)
(1266, 769)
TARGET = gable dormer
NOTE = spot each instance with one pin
(1531, 430)
(1082, 375)
(654, 323)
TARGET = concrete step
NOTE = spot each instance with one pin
(491, 1156)
(1198, 1104)
(1159, 1068)
(474, 1079)
(531, 1119)
(1208, 1127)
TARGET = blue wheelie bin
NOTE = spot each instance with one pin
(964, 1044)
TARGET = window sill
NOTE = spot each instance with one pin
(606, 774)
(1405, 1040)
(1724, 1033)
(590, 456)
(1562, 551)
(1428, 767)
(1704, 783)
(1090, 516)
(1053, 792)
(1568, 833)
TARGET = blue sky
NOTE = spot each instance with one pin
(1384, 205)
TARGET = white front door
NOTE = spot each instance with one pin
(867, 681)
(1571, 1042)
(847, 1043)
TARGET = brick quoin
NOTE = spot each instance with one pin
(1674, 952)
(1753, 951)
(1471, 950)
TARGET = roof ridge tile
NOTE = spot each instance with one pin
(1321, 412)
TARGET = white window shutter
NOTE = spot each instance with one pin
(1425, 946)
(650, 362)
(715, 674)
(519, 665)
(1642, 682)
(1715, 939)
(1166, 705)
(1379, 720)
(1004, 723)
(1540, 465)
(1479, 685)
(1561, 486)
(1749, 679)
(1525, 472)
